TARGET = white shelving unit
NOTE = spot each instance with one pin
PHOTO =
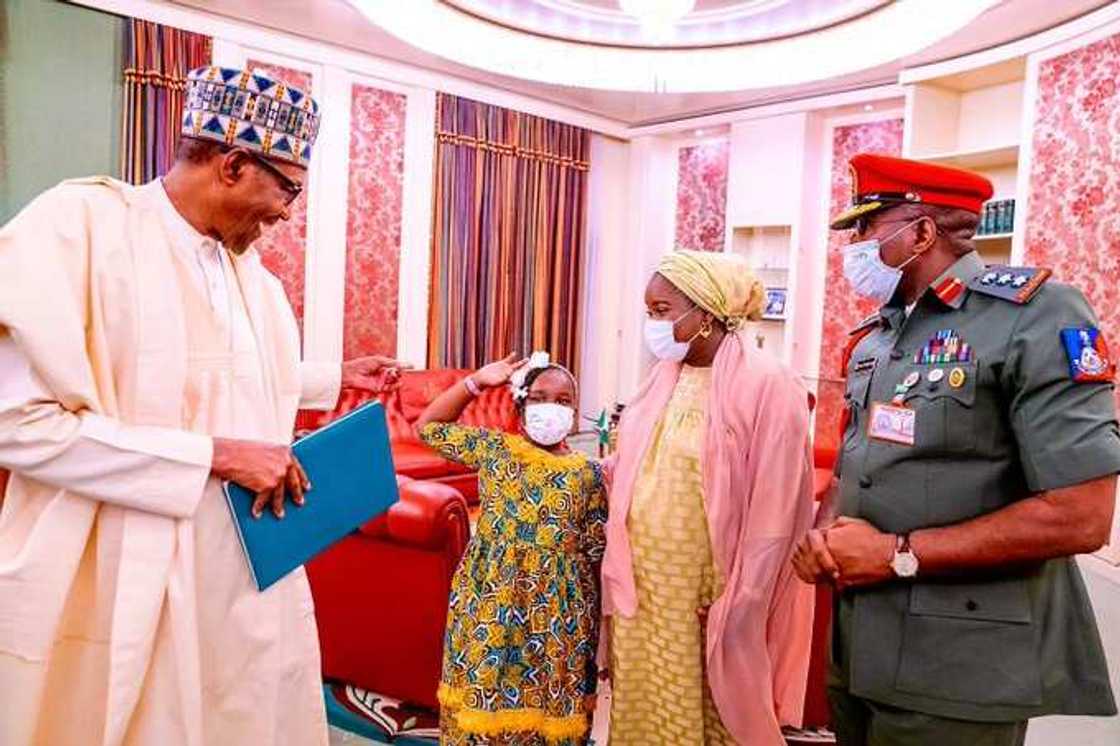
(971, 119)
(769, 251)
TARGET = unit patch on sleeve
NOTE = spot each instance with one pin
(1088, 355)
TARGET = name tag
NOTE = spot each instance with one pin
(892, 423)
(865, 365)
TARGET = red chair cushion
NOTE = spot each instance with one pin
(494, 409)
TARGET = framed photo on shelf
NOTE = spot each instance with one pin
(775, 308)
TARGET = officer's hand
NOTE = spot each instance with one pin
(863, 552)
(813, 562)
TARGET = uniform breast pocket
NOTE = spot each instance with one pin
(855, 399)
(944, 408)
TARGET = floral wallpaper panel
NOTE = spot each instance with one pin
(702, 196)
(373, 226)
(1073, 222)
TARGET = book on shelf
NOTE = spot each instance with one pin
(997, 218)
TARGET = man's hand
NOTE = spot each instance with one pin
(813, 562)
(263, 468)
(862, 552)
(374, 373)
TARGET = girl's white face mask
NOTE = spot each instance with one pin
(548, 424)
(868, 274)
(662, 341)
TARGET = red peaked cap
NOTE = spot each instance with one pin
(880, 182)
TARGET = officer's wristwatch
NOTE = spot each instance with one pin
(905, 562)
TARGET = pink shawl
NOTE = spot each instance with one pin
(758, 485)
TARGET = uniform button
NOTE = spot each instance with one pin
(865, 482)
(972, 605)
(897, 354)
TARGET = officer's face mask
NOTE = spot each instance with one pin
(868, 274)
(661, 338)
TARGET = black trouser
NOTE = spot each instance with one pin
(860, 722)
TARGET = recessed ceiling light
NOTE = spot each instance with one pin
(439, 27)
(868, 107)
(657, 14)
(699, 133)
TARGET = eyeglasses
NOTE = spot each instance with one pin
(290, 186)
(863, 223)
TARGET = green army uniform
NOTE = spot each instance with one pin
(997, 416)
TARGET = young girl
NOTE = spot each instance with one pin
(519, 654)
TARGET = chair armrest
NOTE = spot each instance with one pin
(429, 515)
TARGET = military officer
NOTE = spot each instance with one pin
(979, 454)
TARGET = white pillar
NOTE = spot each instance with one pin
(416, 227)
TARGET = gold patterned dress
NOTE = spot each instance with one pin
(522, 627)
(659, 687)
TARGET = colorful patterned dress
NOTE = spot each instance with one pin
(659, 688)
(522, 627)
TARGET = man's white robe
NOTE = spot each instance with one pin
(127, 613)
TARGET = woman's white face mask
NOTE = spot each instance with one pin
(661, 339)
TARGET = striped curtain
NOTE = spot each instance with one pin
(156, 62)
(508, 235)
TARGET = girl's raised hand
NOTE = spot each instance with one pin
(497, 373)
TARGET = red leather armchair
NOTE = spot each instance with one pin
(494, 409)
(381, 595)
(824, 459)
(817, 712)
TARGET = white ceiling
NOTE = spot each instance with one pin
(337, 22)
(710, 22)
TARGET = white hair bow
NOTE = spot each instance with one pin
(517, 381)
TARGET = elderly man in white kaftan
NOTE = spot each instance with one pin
(145, 354)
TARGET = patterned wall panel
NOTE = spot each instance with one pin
(283, 246)
(842, 308)
(1073, 223)
(702, 196)
(373, 226)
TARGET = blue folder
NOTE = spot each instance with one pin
(350, 467)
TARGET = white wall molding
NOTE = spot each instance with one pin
(765, 111)
(1064, 33)
(609, 195)
(325, 298)
(416, 228)
(649, 232)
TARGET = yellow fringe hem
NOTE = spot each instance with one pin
(521, 720)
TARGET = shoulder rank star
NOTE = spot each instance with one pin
(1015, 284)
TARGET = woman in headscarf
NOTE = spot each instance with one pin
(709, 629)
